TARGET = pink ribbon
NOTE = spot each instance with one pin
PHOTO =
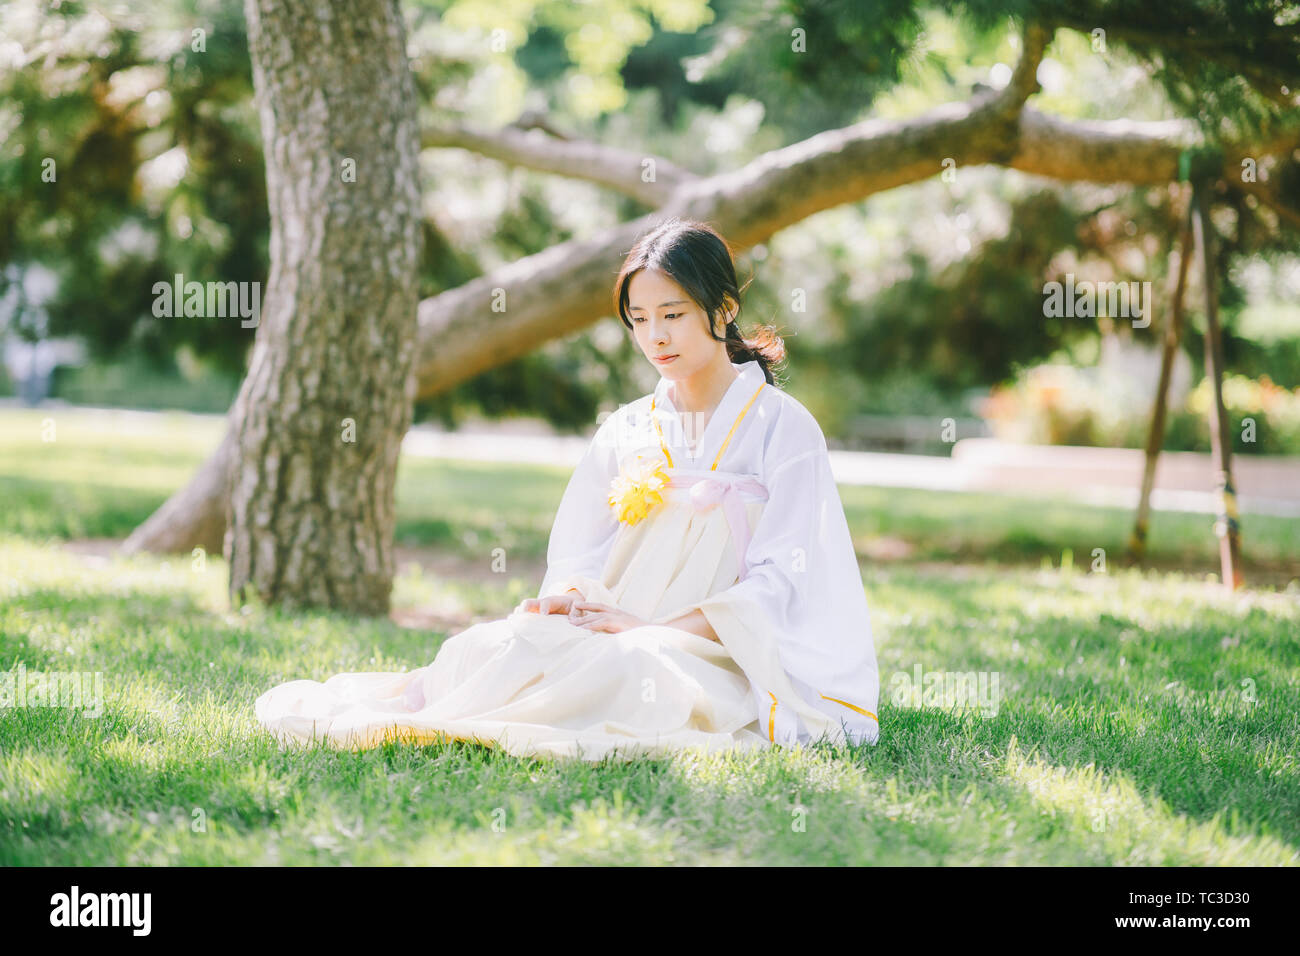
(708, 491)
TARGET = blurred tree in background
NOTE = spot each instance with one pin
(158, 168)
(917, 297)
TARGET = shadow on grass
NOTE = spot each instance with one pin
(939, 787)
(1198, 711)
(40, 508)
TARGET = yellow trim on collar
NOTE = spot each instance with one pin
(727, 441)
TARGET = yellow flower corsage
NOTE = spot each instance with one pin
(636, 490)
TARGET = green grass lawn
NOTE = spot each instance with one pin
(1144, 717)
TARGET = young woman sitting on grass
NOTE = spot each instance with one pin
(701, 590)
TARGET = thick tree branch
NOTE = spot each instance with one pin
(567, 287)
(622, 170)
(1024, 79)
(1100, 150)
(1123, 150)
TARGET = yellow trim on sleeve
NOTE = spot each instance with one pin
(851, 707)
(771, 719)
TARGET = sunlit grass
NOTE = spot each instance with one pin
(1142, 719)
(1135, 830)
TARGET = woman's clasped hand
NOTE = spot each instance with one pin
(552, 604)
(589, 614)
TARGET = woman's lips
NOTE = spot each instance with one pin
(665, 361)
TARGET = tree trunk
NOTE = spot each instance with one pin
(321, 415)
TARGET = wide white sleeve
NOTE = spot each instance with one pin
(585, 526)
(800, 618)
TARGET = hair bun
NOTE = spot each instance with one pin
(766, 342)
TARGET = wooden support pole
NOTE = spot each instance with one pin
(1226, 527)
(1137, 542)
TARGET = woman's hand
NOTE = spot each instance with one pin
(552, 604)
(603, 617)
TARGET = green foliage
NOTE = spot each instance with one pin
(157, 168)
(980, 316)
(1223, 63)
(136, 383)
(157, 147)
(526, 386)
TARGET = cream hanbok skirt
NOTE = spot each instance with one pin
(536, 684)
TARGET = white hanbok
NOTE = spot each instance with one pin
(748, 529)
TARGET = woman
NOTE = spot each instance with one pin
(701, 590)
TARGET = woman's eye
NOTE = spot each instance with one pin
(672, 315)
(638, 318)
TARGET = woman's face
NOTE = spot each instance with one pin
(665, 321)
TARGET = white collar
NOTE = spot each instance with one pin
(740, 391)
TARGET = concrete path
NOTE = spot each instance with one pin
(1099, 476)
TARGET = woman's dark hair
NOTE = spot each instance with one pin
(699, 260)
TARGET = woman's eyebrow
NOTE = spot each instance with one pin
(662, 305)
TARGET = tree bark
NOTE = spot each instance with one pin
(320, 418)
